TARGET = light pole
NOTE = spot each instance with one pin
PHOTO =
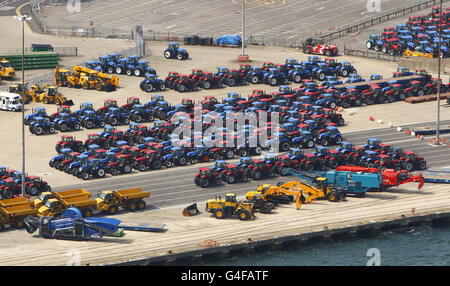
(22, 91)
(439, 77)
(243, 27)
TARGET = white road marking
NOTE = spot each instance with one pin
(320, 8)
(171, 26)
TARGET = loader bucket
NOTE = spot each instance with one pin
(67, 102)
(191, 210)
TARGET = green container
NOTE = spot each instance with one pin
(33, 60)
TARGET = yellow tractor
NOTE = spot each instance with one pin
(53, 96)
(6, 70)
(228, 207)
(66, 78)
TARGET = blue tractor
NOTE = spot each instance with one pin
(90, 120)
(152, 83)
(115, 116)
(174, 51)
(85, 106)
(36, 112)
(322, 71)
(108, 63)
(140, 114)
(331, 136)
(344, 69)
(305, 140)
(354, 78)
(67, 122)
(255, 75)
(141, 68)
(275, 77)
(298, 73)
(92, 168)
(374, 43)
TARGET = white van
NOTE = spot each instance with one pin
(10, 101)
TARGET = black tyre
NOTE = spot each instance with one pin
(243, 215)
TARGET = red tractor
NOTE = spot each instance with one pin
(106, 105)
(207, 177)
(209, 80)
(317, 46)
(150, 160)
(34, 186)
(67, 141)
(234, 174)
(184, 83)
(261, 170)
(122, 165)
(411, 162)
(169, 81)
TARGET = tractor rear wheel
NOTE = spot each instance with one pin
(168, 164)
(297, 78)
(127, 169)
(156, 165)
(38, 130)
(257, 175)
(244, 178)
(219, 181)
(137, 72)
(204, 183)
(219, 213)
(85, 176)
(254, 79)
(273, 81)
(207, 84)
(142, 167)
(325, 142)
(148, 87)
(409, 167)
(341, 121)
(167, 54)
(231, 179)
(181, 87)
(231, 82)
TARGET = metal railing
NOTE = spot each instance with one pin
(387, 16)
(350, 51)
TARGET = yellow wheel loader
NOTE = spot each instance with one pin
(230, 207)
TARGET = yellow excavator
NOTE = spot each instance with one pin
(267, 194)
(409, 53)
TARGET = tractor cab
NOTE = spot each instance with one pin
(296, 153)
(110, 103)
(174, 45)
(372, 144)
(321, 151)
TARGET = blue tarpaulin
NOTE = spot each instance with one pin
(228, 40)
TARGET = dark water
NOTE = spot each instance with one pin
(421, 246)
